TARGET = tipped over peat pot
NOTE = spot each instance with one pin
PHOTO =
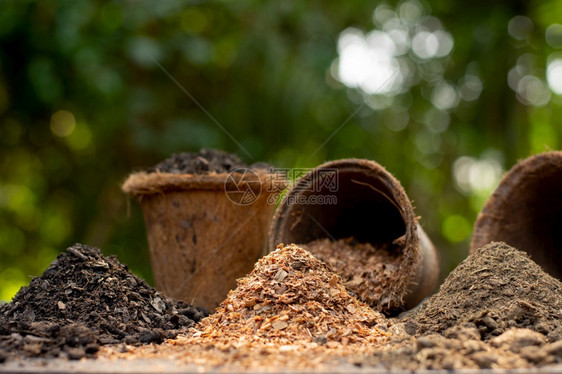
(204, 230)
(525, 211)
(359, 198)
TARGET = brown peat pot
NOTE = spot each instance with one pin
(525, 211)
(359, 198)
(204, 230)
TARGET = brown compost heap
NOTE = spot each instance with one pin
(497, 309)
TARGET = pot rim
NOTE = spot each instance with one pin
(143, 183)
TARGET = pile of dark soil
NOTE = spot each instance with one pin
(368, 272)
(84, 300)
(497, 309)
(202, 162)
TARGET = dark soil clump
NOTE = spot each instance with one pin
(203, 162)
(84, 300)
(497, 309)
(368, 271)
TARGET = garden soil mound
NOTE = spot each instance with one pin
(202, 162)
(497, 309)
(84, 300)
(368, 272)
(496, 288)
(290, 303)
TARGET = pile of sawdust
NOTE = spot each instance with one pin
(291, 303)
(291, 296)
(497, 309)
(368, 271)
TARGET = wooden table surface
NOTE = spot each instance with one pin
(142, 366)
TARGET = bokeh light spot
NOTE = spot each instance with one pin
(456, 228)
(367, 62)
(411, 11)
(532, 90)
(554, 75)
(470, 88)
(425, 44)
(520, 27)
(194, 21)
(383, 12)
(63, 123)
(444, 96)
(553, 35)
(478, 175)
(81, 138)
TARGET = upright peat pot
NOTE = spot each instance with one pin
(360, 199)
(204, 230)
(525, 211)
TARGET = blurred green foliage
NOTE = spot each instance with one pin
(85, 98)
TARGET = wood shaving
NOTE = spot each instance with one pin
(292, 303)
(368, 271)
